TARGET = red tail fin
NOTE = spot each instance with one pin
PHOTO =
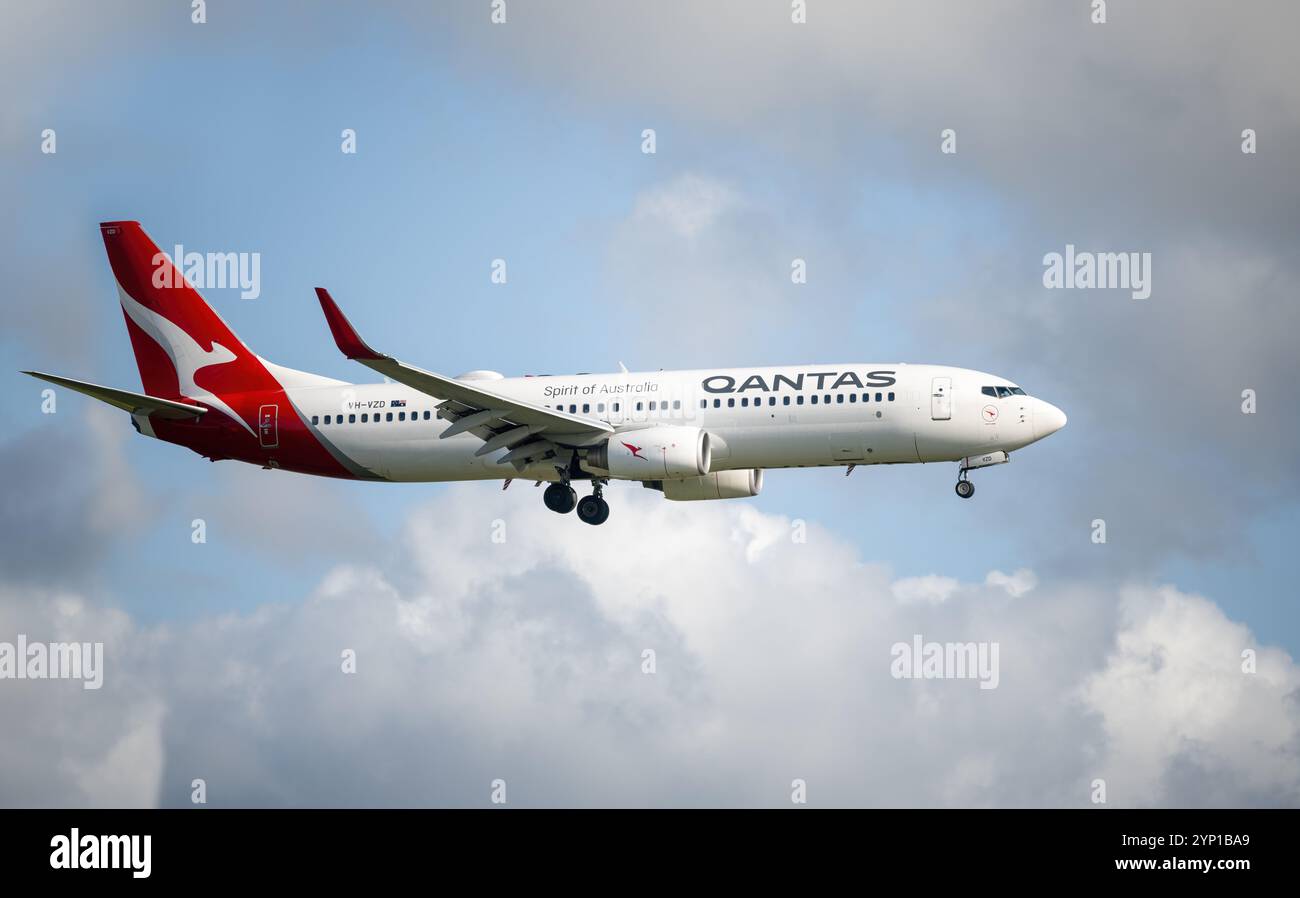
(182, 347)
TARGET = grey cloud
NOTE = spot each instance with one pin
(72, 496)
(522, 661)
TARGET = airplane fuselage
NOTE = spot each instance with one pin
(763, 418)
(694, 435)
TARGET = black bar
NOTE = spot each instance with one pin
(331, 847)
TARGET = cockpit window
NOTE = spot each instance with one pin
(1003, 392)
(1016, 391)
(989, 391)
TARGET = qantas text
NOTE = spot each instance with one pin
(725, 383)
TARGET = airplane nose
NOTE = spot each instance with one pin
(1048, 419)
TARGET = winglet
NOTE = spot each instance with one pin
(349, 342)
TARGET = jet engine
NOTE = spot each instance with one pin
(662, 452)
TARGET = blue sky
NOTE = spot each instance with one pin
(476, 144)
(242, 151)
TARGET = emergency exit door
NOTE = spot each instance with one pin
(941, 398)
(268, 421)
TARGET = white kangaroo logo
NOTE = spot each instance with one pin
(187, 356)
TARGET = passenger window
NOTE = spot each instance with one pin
(814, 399)
(352, 419)
(389, 416)
(853, 397)
(638, 406)
(839, 398)
(327, 419)
(704, 403)
(586, 408)
(744, 402)
(785, 400)
(315, 419)
(731, 403)
(717, 403)
(364, 418)
(799, 400)
(877, 397)
(426, 414)
(615, 406)
(891, 397)
(600, 407)
(677, 403)
(866, 397)
(401, 416)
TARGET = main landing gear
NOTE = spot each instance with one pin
(965, 488)
(562, 498)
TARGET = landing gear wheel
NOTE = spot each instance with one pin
(593, 510)
(560, 498)
(965, 489)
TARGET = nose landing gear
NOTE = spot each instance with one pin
(965, 488)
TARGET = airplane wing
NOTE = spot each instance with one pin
(136, 403)
(530, 432)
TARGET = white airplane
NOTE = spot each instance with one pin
(701, 434)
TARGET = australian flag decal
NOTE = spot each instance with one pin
(397, 403)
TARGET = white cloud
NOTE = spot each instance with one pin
(931, 588)
(686, 206)
(67, 746)
(523, 660)
(1016, 584)
(1174, 693)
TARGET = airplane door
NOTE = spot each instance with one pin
(941, 398)
(268, 431)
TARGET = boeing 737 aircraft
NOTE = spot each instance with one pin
(704, 434)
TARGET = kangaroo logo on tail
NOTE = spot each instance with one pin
(186, 354)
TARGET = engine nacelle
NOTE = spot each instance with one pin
(663, 452)
(719, 485)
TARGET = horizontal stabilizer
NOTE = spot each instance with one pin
(135, 403)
